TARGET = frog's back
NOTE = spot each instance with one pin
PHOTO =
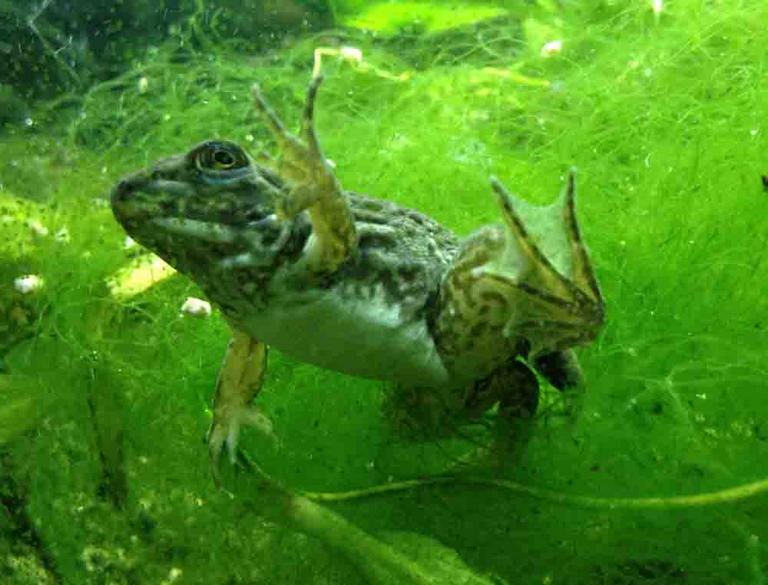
(369, 318)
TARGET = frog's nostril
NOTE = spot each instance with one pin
(122, 191)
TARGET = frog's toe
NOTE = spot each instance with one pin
(225, 434)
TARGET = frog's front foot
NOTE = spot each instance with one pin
(312, 186)
(240, 380)
(224, 433)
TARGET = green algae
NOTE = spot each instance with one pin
(389, 17)
(665, 119)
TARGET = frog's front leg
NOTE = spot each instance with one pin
(312, 187)
(240, 380)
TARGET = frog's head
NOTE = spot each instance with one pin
(209, 207)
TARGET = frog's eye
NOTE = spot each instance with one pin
(219, 156)
(223, 159)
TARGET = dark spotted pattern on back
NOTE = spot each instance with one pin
(401, 253)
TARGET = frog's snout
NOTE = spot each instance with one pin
(128, 198)
(122, 192)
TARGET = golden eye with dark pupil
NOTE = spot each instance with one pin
(223, 159)
(218, 156)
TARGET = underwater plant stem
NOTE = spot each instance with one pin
(725, 496)
(380, 562)
(47, 47)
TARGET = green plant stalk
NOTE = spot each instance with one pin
(724, 496)
(380, 562)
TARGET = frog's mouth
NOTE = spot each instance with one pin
(144, 198)
(191, 222)
(215, 186)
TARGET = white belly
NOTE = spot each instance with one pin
(364, 337)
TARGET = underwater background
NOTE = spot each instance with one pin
(105, 382)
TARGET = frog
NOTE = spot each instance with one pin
(361, 285)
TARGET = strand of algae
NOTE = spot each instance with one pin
(723, 496)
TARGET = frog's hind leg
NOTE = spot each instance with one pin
(516, 390)
(312, 186)
(562, 370)
(518, 401)
(240, 380)
(563, 309)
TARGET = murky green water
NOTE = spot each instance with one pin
(654, 473)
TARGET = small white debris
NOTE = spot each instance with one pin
(166, 117)
(657, 6)
(143, 85)
(29, 122)
(129, 243)
(330, 163)
(754, 132)
(196, 307)
(37, 228)
(249, 137)
(28, 284)
(552, 48)
(174, 574)
(62, 235)
(99, 202)
(351, 54)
